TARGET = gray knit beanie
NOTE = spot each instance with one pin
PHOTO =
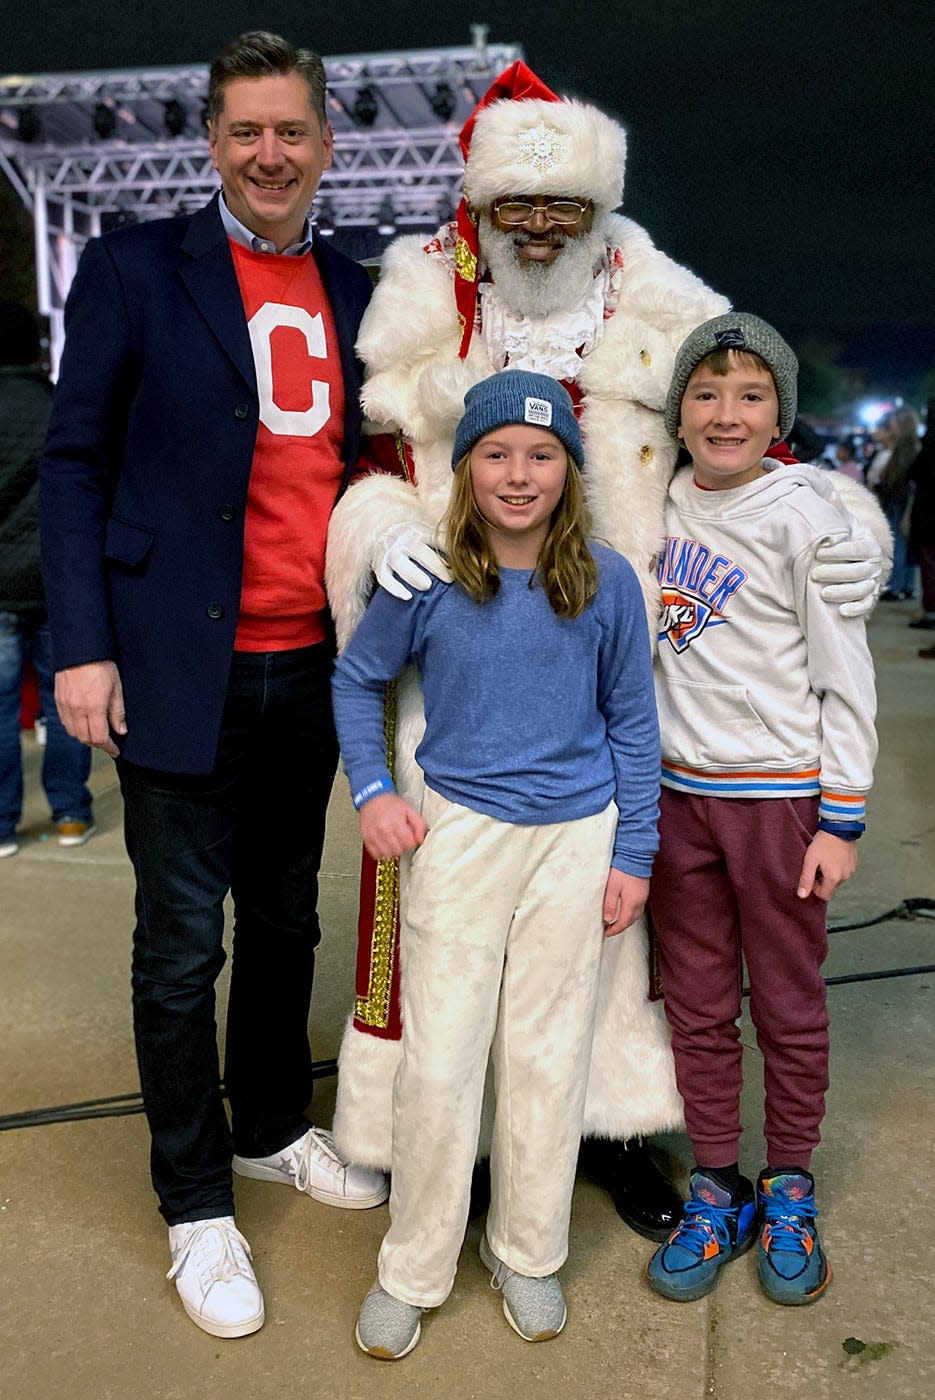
(735, 330)
(518, 396)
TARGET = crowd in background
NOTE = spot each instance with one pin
(899, 467)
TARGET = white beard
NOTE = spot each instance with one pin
(539, 289)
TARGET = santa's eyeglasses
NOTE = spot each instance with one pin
(513, 212)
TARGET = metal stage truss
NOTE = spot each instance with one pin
(88, 151)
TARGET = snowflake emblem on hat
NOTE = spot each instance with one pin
(543, 147)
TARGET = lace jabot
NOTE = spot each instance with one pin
(552, 344)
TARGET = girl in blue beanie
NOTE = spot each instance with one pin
(533, 839)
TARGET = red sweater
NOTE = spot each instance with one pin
(298, 457)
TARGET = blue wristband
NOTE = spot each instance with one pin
(374, 789)
(852, 832)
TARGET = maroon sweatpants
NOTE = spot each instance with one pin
(724, 885)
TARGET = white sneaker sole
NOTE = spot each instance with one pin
(225, 1329)
(244, 1167)
(382, 1353)
(77, 840)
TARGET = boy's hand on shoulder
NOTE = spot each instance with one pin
(828, 862)
(389, 826)
(624, 900)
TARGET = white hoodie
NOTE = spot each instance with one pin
(763, 689)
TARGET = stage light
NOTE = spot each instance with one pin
(28, 125)
(386, 218)
(105, 121)
(443, 102)
(324, 219)
(176, 117)
(871, 411)
(365, 107)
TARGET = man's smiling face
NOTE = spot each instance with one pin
(270, 150)
(539, 238)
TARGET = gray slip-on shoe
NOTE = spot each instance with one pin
(534, 1307)
(386, 1326)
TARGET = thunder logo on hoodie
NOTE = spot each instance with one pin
(696, 586)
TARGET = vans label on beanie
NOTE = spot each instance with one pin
(539, 413)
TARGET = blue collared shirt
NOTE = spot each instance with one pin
(241, 234)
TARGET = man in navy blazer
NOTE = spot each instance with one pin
(205, 421)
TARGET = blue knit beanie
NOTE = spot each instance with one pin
(518, 396)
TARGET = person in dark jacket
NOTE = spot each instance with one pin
(922, 526)
(894, 492)
(205, 420)
(25, 398)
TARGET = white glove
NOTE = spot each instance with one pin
(851, 573)
(398, 555)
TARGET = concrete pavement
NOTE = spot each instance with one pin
(85, 1310)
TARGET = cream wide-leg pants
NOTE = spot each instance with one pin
(501, 936)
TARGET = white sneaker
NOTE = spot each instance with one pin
(8, 847)
(215, 1279)
(312, 1164)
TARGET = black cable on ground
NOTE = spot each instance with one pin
(118, 1106)
(879, 976)
(906, 909)
(121, 1105)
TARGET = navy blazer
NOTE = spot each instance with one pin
(143, 483)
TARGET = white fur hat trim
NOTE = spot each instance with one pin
(532, 146)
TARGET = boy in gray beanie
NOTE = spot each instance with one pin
(766, 703)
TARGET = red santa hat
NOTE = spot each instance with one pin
(523, 139)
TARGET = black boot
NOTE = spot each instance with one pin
(642, 1196)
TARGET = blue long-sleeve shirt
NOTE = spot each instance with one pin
(530, 718)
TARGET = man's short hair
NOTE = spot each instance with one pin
(259, 54)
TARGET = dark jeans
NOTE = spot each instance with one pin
(254, 826)
(66, 763)
(902, 576)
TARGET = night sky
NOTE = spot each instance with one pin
(783, 150)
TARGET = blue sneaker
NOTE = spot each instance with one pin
(790, 1261)
(717, 1227)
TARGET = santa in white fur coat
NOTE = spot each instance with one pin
(606, 315)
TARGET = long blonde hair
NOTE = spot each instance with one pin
(565, 567)
(903, 426)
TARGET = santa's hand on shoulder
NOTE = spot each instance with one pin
(850, 573)
(405, 554)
